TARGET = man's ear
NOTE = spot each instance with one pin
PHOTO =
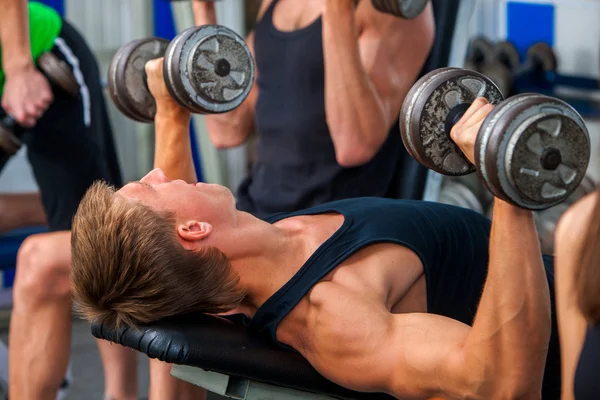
(193, 231)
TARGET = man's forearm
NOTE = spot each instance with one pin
(14, 35)
(173, 151)
(511, 331)
(355, 115)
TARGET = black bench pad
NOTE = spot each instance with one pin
(218, 345)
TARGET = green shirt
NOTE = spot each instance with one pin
(45, 25)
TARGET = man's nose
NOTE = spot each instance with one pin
(155, 176)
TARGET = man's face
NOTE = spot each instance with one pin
(202, 202)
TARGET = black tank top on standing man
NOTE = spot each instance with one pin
(296, 167)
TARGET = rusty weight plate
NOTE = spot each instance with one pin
(533, 151)
(425, 112)
(127, 82)
(209, 69)
(58, 73)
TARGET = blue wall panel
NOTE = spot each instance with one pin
(58, 5)
(529, 23)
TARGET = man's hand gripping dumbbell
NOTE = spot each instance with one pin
(529, 150)
(207, 70)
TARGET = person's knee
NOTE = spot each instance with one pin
(43, 265)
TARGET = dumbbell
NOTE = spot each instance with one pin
(207, 69)
(480, 52)
(407, 9)
(539, 60)
(531, 150)
(61, 78)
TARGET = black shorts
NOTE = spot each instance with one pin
(72, 145)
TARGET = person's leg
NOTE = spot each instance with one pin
(165, 387)
(20, 211)
(120, 365)
(71, 147)
(40, 326)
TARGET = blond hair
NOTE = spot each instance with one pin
(129, 268)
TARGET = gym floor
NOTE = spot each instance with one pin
(87, 371)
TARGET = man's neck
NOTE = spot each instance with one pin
(260, 254)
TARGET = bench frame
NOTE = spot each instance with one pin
(239, 388)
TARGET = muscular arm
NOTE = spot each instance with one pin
(357, 343)
(367, 80)
(233, 128)
(173, 149)
(570, 235)
(14, 36)
(422, 355)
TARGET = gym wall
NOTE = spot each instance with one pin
(570, 26)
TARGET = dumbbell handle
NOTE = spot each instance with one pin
(10, 123)
(11, 138)
(550, 159)
(455, 114)
(222, 68)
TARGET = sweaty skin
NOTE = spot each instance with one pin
(364, 326)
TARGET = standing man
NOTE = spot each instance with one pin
(330, 81)
(71, 146)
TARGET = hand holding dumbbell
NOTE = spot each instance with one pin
(207, 70)
(530, 150)
(34, 89)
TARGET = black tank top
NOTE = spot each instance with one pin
(451, 242)
(296, 167)
(587, 376)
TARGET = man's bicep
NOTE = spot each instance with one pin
(356, 342)
(393, 52)
(428, 356)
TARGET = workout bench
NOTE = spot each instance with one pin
(227, 359)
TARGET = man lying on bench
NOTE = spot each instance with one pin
(409, 298)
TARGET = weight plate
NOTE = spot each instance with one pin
(9, 143)
(407, 9)
(171, 69)
(541, 56)
(479, 53)
(59, 73)
(500, 75)
(489, 138)
(506, 53)
(425, 112)
(457, 194)
(209, 69)
(533, 151)
(127, 84)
